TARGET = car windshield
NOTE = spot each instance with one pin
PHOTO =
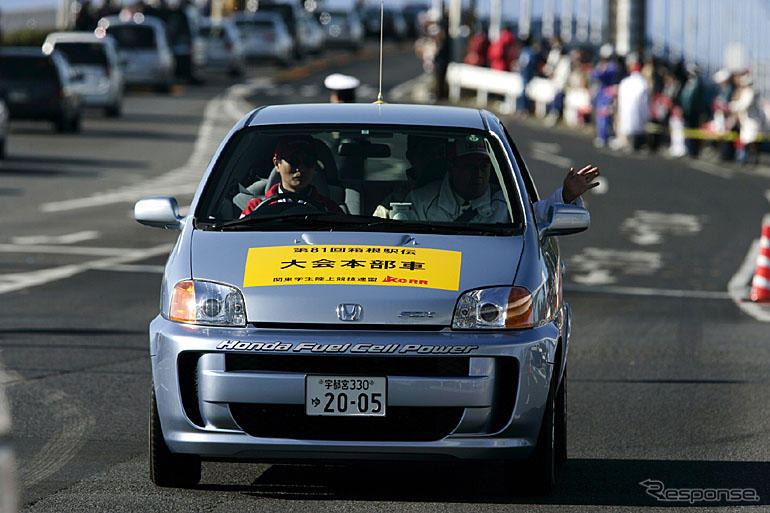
(83, 53)
(28, 68)
(256, 26)
(361, 178)
(132, 36)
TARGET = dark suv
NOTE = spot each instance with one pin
(36, 85)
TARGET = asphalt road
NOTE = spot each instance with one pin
(667, 373)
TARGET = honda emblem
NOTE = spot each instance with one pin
(349, 312)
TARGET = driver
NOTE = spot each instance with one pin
(295, 159)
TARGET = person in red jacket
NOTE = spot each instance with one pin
(295, 159)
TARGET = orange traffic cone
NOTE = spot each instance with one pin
(760, 285)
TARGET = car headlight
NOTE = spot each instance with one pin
(206, 302)
(495, 307)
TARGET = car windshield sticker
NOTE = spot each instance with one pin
(353, 265)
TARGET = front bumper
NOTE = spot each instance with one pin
(221, 395)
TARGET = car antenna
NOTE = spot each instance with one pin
(382, 16)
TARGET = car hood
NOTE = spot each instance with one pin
(295, 277)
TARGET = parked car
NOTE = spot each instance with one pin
(343, 28)
(305, 328)
(9, 481)
(40, 86)
(393, 23)
(143, 49)
(96, 59)
(290, 13)
(264, 35)
(311, 37)
(182, 30)
(3, 128)
(224, 47)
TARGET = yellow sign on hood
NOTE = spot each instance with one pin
(353, 265)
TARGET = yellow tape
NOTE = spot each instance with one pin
(353, 265)
(700, 133)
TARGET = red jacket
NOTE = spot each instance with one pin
(328, 204)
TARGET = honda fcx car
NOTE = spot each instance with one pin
(362, 282)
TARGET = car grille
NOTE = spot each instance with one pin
(403, 424)
(352, 365)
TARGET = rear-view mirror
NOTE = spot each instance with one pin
(564, 219)
(160, 212)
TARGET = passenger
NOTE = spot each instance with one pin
(427, 157)
(295, 160)
(465, 194)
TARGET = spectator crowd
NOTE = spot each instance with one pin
(633, 102)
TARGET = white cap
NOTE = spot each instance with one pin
(340, 82)
(721, 76)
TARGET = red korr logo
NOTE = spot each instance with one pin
(391, 279)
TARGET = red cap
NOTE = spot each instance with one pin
(288, 146)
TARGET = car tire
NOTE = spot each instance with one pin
(537, 475)
(2, 148)
(561, 423)
(166, 468)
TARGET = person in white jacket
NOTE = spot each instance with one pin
(464, 194)
(633, 107)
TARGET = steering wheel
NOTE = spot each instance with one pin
(274, 205)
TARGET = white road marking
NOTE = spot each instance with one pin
(17, 281)
(739, 285)
(712, 169)
(137, 268)
(69, 238)
(63, 250)
(599, 266)
(647, 228)
(551, 158)
(546, 147)
(648, 292)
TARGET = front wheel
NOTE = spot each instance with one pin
(537, 475)
(166, 468)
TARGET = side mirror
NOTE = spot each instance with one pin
(564, 219)
(161, 212)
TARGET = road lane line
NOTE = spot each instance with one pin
(646, 291)
(63, 250)
(17, 281)
(70, 238)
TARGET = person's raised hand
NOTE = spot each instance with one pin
(578, 182)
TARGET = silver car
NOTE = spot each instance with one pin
(95, 59)
(343, 28)
(224, 47)
(143, 49)
(305, 327)
(265, 35)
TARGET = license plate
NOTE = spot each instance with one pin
(352, 396)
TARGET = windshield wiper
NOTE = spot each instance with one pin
(305, 218)
(331, 220)
(442, 227)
